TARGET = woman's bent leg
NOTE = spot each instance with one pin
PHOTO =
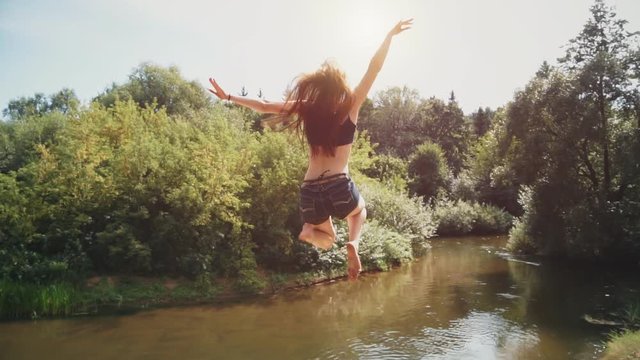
(322, 235)
(355, 220)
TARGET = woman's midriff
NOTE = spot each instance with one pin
(327, 165)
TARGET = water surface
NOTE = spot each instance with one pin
(464, 300)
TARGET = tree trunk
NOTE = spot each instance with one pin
(592, 173)
(638, 112)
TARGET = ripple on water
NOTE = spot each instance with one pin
(480, 335)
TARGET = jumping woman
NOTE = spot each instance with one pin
(327, 112)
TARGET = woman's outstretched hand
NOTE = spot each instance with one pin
(400, 27)
(217, 90)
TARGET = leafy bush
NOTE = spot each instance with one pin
(458, 217)
(132, 190)
(463, 187)
(520, 240)
(19, 139)
(277, 170)
(491, 220)
(390, 170)
(398, 212)
(380, 249)
(249, 282)
(25, 253)
(453, 217)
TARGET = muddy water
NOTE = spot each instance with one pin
(465, 300)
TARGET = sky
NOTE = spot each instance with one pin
(483, 50)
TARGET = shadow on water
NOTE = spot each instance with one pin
(466, 299)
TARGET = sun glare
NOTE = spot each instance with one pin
(368, 26)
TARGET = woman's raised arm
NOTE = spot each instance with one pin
(260, 106)
(360, 92)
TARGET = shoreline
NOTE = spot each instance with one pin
(113, 295)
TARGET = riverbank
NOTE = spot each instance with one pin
(109, 294)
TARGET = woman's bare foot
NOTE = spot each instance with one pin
(353, 260)
(322, 242)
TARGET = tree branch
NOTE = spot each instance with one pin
(584, 156)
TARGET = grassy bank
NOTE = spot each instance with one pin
(109, 293)
(31, 300)
(380, 250)
(625, 345)
(22, 301)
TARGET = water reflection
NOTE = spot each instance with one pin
(464, 300)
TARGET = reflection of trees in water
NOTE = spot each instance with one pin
(445, 286)
(527, 279)
(445, 303)
(447, 282)
(556, 295)
(459, 295)
(559, 294)
(462, 295)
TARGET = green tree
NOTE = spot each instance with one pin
(571, 135)
(366, 110)
(489, 166)
(391, 123)
(32, 121)
(151, 84)
(481, 120)
(601, 57)
(400, 121)
(428, 170)
(24, 107)
(64, 101)
(444, 124)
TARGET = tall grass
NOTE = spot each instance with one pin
(631, 313)
(624, 345)
(28, 300)
(31, 300)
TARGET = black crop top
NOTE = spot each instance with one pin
(346, 132)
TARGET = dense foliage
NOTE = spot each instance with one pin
(573, 136)
(131, 187)
(400, 121)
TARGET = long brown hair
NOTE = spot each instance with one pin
(322, 102)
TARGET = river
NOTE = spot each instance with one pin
(466, 299)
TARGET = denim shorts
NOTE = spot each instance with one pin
(322, 198)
